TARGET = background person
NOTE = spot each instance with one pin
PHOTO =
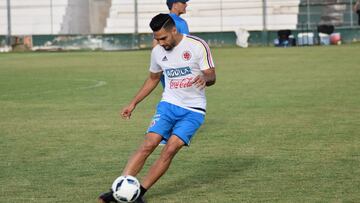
(356, 9)
(176, 8)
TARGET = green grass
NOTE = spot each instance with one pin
(282, 126)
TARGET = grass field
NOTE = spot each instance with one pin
(283, 125)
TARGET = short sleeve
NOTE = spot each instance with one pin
(154, 66)
(205, 57)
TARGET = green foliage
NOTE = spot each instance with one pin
(282, 126)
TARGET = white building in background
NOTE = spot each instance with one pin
(207, 15)
(33, 17)
(36, 17)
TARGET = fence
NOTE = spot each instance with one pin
(86, 17)
(331, 12)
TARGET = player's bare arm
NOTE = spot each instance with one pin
(149, 85)
(207, 79)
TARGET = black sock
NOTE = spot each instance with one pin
(142, 191)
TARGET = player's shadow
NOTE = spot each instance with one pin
(208, 171)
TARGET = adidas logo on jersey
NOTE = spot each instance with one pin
(165, 59)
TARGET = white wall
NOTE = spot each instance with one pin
(33, 16)
(207, 15)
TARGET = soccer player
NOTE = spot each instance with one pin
(188, 66)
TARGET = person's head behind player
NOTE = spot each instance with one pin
(177, 6)
(164, 30)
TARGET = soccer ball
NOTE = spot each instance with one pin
(126, 189)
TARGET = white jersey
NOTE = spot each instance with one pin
(180, 67)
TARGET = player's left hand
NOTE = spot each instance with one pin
(200, 82)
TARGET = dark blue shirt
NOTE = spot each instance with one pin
(181, 25)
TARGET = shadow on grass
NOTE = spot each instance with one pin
(205, 174)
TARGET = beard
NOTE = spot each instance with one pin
(170, 46)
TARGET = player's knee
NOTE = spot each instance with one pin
(148, 147)
(170, 151)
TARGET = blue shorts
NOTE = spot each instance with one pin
(171, 120)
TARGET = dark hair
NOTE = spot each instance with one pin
(169, 5)
(161, 20)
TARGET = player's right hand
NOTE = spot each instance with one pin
(126, 112)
